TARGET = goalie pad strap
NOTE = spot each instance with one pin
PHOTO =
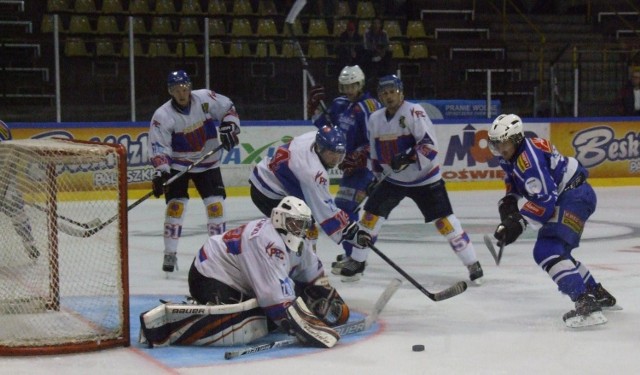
(308, 328)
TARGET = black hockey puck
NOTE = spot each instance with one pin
(417, 348)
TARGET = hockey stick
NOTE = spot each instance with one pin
(497, 256)
(345, 329)
(87, 225)
(90, 232)
(451, 291)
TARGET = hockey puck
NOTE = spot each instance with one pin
(417, 348)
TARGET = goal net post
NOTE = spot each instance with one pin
(61, 292)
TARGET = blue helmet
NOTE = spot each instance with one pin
(391, 81)
(5, 133)
(331, 138)
(178, 77)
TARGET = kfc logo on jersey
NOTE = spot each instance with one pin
(273, 251)
(320, 179)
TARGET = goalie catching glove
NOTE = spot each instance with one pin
(229, 135)
(307, 327)
(325, 302)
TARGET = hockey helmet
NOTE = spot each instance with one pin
(505, 128)
(292, 218)
(390, 81)
(331, 138)
(178, 77)
(350, 75)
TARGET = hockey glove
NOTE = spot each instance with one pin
(402, 160)
(310, 330)
(508, 205)
(355, 160)
(325, 302)
(356, 236)
(229, 135)
(158, 181)
(510, 229)
(316, 95)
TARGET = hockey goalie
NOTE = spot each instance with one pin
(247, 282)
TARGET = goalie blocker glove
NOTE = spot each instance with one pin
(229, 135)
(510, 229)
(356, 236)
(158, 181)
(310, 330)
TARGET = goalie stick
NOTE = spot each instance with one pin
(91, 231)
(497, 256)
(345, 329)
(451, 291)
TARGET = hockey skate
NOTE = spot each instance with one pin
(170, 262)
(587, 313)
(351, 270)
(339, 263)
(604, 298)
(475, 273)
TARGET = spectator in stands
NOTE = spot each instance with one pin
(350, 48)
(377, 54)
(629, 97)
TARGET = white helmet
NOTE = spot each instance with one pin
(505, 128)
(350, 75)
(292, 219)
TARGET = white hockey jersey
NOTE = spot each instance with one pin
(409, 127)
(254, 260)
(178, 139)
(295, 169)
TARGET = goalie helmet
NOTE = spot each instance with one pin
(178, 77)
(505, 128)
(350, 75)
(5, 133)
(292, 218)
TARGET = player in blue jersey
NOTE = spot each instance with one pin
(558, 203)
(350, 112)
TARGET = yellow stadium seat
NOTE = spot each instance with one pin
(241, 27)
(187, 48)
(137, 48)
(165, 7)
(317, 49)
(397, 50)
(363, 26)
(139, 27)
(161, 25)
(75, 47)
(415, 29)
(266, 27)
(318, 27)
(339, 26)
(392, 27)
(297, 28)
(267, 8)
(159, 47)
(191, 7)
(112, 6)
(46, 26)
(418, 50)
(107, 25)
(56, 5)
(79, 25)
(266, 48)
(242, 8)
(216, 48)
(216, 27)
(288, 49)
(342, 9)
(85, 6)
(239, 48)
(139, 6)
(104, 47)
(217, 8)
(189, 26)
(365, 9)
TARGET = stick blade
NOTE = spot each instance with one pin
(489, 244)
(451, 291)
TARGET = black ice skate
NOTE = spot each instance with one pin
(351, 270)
(604, 298)
(587, 313)
(170, 262)
(475, 273)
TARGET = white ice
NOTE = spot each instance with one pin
(509, 325)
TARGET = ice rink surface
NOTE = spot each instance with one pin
(512, 324)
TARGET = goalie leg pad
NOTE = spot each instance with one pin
(308, 328)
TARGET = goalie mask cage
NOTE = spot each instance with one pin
(60, 291)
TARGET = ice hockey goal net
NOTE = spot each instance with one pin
(63, 248)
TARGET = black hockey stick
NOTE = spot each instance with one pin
(87, 225)
(90, 232)
(497, 256)
(345, 329)
(451, 291)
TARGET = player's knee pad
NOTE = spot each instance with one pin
(371, 223)
(215, 215)
(175, 212)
